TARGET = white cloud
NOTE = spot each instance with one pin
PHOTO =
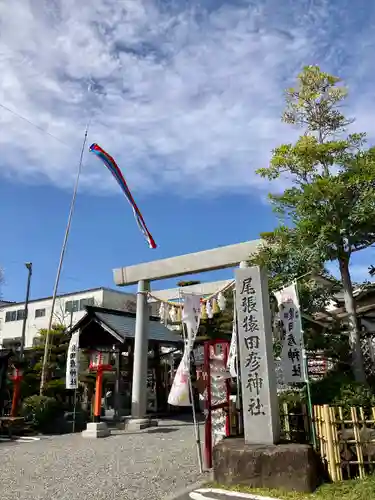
(182, 94)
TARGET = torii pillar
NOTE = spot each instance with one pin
(142, 274)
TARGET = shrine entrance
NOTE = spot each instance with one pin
(112, 332)
(142, 275)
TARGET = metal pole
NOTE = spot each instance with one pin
(57, 280)
(191, 394)
(29, 267)
(196, 425)
(238, 370)
(74, 411)
(308, 393)
(117, 384)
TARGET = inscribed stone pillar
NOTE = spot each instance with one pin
(257, 368)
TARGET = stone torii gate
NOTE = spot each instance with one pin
(142, 274)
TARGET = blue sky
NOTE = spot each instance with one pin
(187, 96)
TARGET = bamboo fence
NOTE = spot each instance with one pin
(345, 437)
(346, 441)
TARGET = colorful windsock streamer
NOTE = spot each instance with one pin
(110, 163)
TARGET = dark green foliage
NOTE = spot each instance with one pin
(220, 326)
(337, 388)
(55, 386)
(41, 412)
(285, 262)
(340, 389)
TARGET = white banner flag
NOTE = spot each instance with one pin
(292, 361)
(72, 363)
(179, 394)
(232, 356)
(191, 316)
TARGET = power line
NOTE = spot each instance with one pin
(33, 124)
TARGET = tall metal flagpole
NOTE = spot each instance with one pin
(57, 280)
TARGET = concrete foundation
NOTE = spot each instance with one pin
(289, 467)
(96, 430)
(138, 424)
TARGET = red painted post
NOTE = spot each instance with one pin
(17, 378)
(98, 394)
(208, 424)
(100, 368)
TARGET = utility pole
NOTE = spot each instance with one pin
(29, 267)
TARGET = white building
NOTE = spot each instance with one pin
(69, 308)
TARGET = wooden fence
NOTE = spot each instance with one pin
(345, 438)
(346, 441)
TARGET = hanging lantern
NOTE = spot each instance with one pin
(209, 310)
(100, 361)
(222, 302)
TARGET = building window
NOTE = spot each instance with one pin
(10, 316)
(39, 313)
(72, 306)
(90, 301)
(20, 314)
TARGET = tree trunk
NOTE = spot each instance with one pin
(354, 333)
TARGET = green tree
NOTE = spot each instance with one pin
(328, 208)
(220, 325)
(56, 367)
(285, 263)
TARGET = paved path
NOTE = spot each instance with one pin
(217, 494)
(127, 466)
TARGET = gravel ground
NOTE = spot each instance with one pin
(145, 465)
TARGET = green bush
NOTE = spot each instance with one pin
(41, 412)
(56, 389)
(294, 400)
(339, 389)
(335, 389)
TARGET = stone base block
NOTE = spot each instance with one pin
(96, 430)
(138, 424)
(289, 467)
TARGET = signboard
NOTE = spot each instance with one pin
(317, 366)
(72, 362)
(180, 392)
(292, 361)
